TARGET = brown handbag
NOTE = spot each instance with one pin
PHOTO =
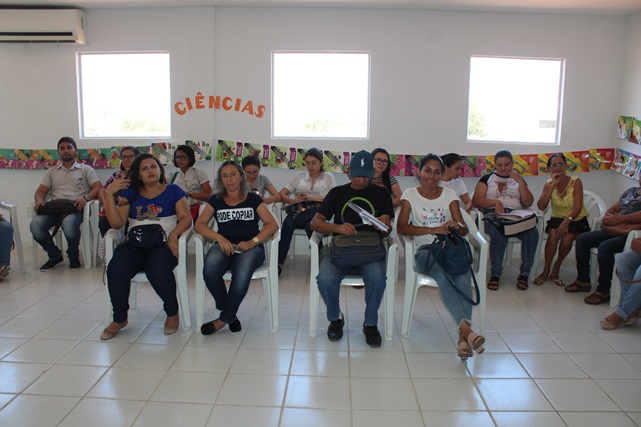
(622, 229)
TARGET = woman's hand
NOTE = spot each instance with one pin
(556, 178)
(612, 219)
(172, 242)
(225, 246)
(441, 229)
(245, 246)
(117, 185)
(564, 228)
(498, 206)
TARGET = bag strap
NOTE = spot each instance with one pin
(476, 287)
(58, 225)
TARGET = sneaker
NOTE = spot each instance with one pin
(372, 336)
(235, 326)
(74, 264)
(51, 264)
(335, 329)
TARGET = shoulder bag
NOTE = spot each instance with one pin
(454, 255)
(146, 236)
(61, 207)
(362, 248)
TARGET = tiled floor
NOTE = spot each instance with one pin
(547, 362)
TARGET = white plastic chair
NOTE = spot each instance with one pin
(180, 273)
(387, 305)
(267, 273)
(85, 238)
(415, 279)
(94, 231)
(13, 219)
(298, 232)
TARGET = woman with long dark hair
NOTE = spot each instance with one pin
(382, 177)
(452, 178)
(147, 200)
(193, 181)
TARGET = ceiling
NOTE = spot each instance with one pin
(606, 7)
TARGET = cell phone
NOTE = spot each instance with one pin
(236, 250)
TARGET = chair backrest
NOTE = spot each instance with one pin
(594, 205)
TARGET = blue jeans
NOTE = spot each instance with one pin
(242, 267)
(302, 220)
(329, 281)
(6, 239)
(608, 246)
(629, 270)
(40, 225)
(157, 263)
(498, 243)
(460, 309)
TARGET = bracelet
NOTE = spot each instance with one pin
(570, 218)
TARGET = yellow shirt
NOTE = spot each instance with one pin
(563, 204)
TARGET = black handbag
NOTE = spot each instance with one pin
(62, 207)
(146, 236)
(453, 253)
(362, 248)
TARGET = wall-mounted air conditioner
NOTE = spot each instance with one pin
(43, 26)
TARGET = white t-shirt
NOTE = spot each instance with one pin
(191, 181)
(455, 184)
(504, 189)
(302, 183)
(428, 213)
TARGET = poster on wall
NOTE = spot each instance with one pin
(578, 161)
(621, 159)
(601, 158)
(7, 158)
(473, 166)
(526, 164)
(97, 158)
(635, 132)
(624, 124)
(224, 150)
(202, 149)
(397, 165)
(163, 151)
(336, 161)
(543, 163)
(632, 167)
(412, 162)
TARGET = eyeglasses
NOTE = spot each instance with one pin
(557, 165)
(381, 161)
(127, 156)
(180, 157)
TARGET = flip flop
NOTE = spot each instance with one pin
(575, 287)
(538, 281)
(493, 284)
(521, 282)
(559, 282)
(596, 298)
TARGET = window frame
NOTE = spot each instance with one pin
(559, 100)
(321, 138)
(79, 81)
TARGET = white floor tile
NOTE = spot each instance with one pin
(496, 366)
(156, 414)
(210, 359)
(581, 342)
(303, 417)
(36, 411)
(5, 399)
(436, 365)
(576, 395)
(149, 356)
(134, 384)
(7, 345)
(103, 413)
(94, 353)
(66, 380)
(378, 365)
(189, 387)
(527, 419)
(40, 350)
(321, 363)
(18, 376)
(592, 419)
(457, 419)
(512, 395)
(69, 329)
(374, 393)
(448, 395)
(243, 416)
(261, 361)
(253, 390)
(607, 366)
(625, 393)
(318, 392)
(534, 342)
(551, 366)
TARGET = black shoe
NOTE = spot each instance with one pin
(372, 336)
(208, 328)
(235, 326)
(74, 263)
(335, 329)
(51, 264)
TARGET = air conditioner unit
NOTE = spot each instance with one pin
(43, 26)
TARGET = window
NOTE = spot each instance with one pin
(124, 95)
(320, 95)
(516, 100)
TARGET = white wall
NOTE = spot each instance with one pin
(420, 65)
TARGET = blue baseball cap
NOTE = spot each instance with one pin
(362, 164)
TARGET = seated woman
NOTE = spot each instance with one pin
(627, 312)
(310, 188)
(193, 181)
(569, 217)
(626, 212)
(238, 243)
(428, 210)
(6, 240)
(127, 156)
(452, 178)
(257, 183)
(146, 200)
(382, 177)
(501, 191)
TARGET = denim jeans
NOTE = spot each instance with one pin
(157, 263)
(608, 246)
(498, 243)
(629, 270)
(460, 309)
(40, 225)
(302, 220)
(329, 285)
(242, 267)
(6, 239)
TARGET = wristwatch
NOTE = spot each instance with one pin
(87, 197)
(256, 241)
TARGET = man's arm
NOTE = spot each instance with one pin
(319, 224)
(40, 196)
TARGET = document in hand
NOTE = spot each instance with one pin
(367, 217)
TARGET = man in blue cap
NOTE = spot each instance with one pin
(376, 201)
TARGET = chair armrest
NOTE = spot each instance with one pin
(182, 242)
(6, 206)
(596, 223)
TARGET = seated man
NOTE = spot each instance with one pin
(375, 200)
(67, 180)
